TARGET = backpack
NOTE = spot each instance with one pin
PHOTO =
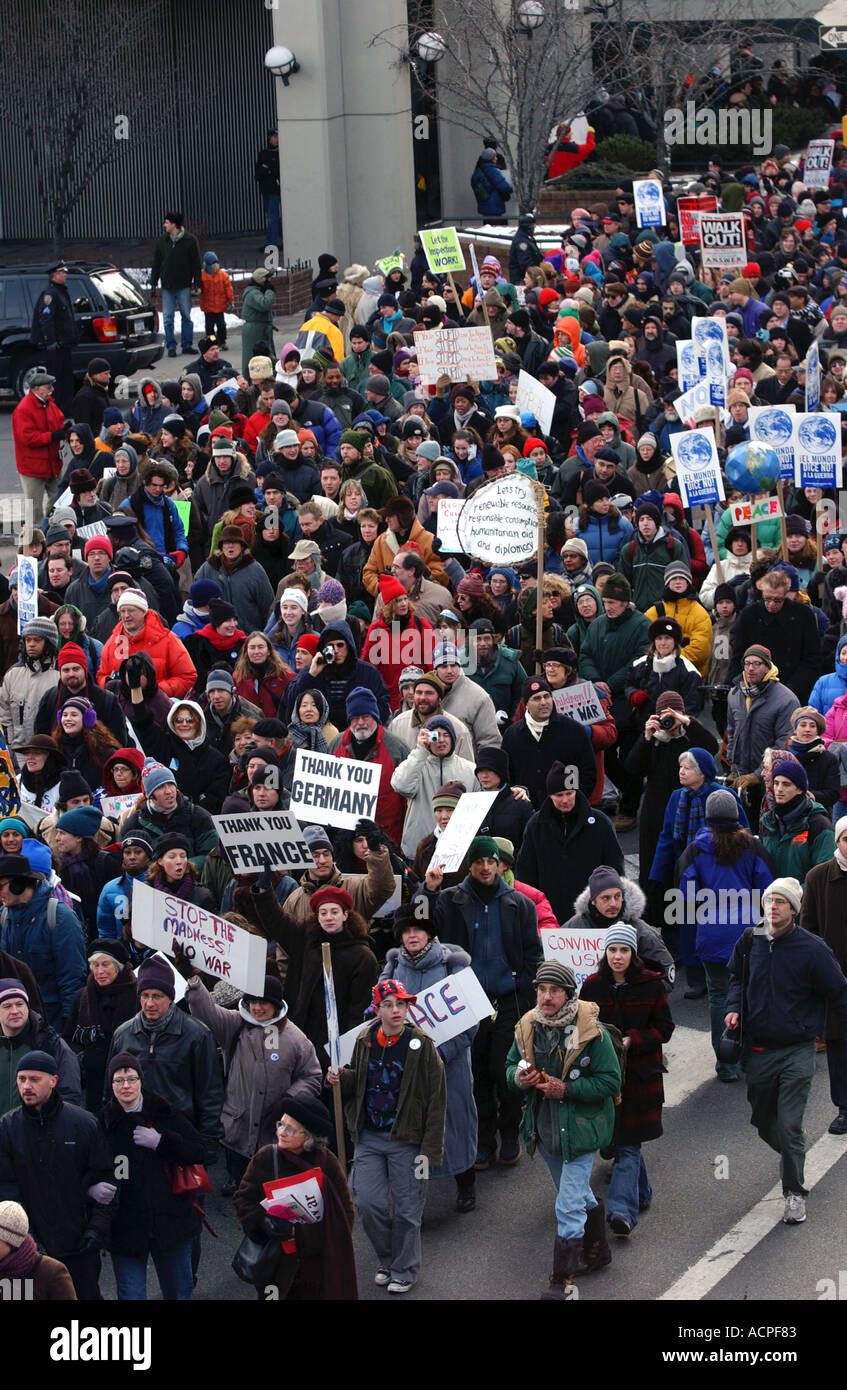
(633, 546)
(616, 1039)
(52, 910)
(479, 184)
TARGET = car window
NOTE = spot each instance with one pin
(117, 290)
(80, 293)
(13, 305)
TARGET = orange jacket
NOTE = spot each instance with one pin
(385, 548)
(216, 293)
(175, 671)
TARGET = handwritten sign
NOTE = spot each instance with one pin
(444, 1010)
(442, 250)
(581, 950)
(333, 791)
(698, 469)
(212, 944)
(462, 354)
(116, 806)
(538, 400)
(449, 511)
(498, 523)
(722, 243)
(258, 840)
(452, 845)
(581, 702)
(757, 509)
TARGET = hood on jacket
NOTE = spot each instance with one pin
(133, 756)
(339, 630)
(634, 901)
(598, 355)
(244, 1011)
(610, 418)
(88, 452)
(197, 387)
(157, 399)
(197, 712)
(131, 454)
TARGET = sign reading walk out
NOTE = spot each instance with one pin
(722, 243)
(442, 250)
(334, 791)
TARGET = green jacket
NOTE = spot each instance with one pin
(503, 681)
(806, 839)
(586, 1117)
(354, 368)
(645, 570)
(422, 1106)
(610, 646)
(378, 484)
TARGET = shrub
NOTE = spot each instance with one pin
(628, 150)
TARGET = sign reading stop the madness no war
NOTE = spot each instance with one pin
(444, 1010)
(212, 944)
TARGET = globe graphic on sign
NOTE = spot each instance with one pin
(752, 467)
(774, 427)
(709, 328)
(816, 433)
(695, 450)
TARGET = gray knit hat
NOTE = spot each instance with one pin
(677, 567)
(621, 934)
(722, 810)
(42, 627)
(14, 1224)
(789, 888)
(551, 972)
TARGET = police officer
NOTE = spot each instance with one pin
(54, 329)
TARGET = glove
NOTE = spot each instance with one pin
(169, 563)
(502, 717)
(102, 1193)
(146, 1137)
(371, 832)
(747, 779)
(90, 1241)
(178, 557)
(181, 962)
(57, 435)
(133, 671)
(265, 883)
(638, 697)
(276, 1227)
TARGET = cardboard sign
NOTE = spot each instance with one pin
(539, 400)
(698, 469)
(263, 839)
(442, 250)
(687, 364)
(722, 242)
(817, 449)
(449, 511)
(212, 944)
(581, 702)
(688, 211)
(818, 163)
(27, 567)
(774, 425)
(581, 950)
(463, 354)
(452, 845)
(444, 1010)
(474, 266)
(813, 377)
(498, 523)
(396, 261)
(115, 806)
(649, 203)
(333, 791)
(757, 509)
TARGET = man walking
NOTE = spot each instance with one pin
(177, 263)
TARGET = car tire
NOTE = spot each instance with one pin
(22, 368)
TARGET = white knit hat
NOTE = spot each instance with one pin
(789, 888)
(295, 596)
(14, 1224)
(134, 597)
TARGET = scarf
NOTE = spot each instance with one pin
(308, 735)
(816, 745)
(103, 1007)
(428, 957)
(664, 663)
(840, 861)
(534, 727)
(218, 641)
(565, 1018)
(160, 1023)
(461, 420)
(691, 813)
(19, 1263)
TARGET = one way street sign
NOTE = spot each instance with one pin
(833, 38)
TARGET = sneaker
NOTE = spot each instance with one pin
(795, 1209)
(620, 1225)
(382, 1276)
(510, 1152)
(839, 1124)
(401, 1285)
(483, 1160)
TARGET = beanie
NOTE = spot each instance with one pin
(648, 509)
(202, 592)
(155, 776)
(552, 972)
(72, 653)
(670, 699)
(725, 591)
(358, 438)
(390, 588)
(621, 934)
(447, 795)
(220, 679)
(617, 587)
(220, 612)
(677, 567)
(408, 676)
(794, 772)
(506, 848)
(493, 760)
(483, 847)
(602, 879)
(378, 385)
(722, 810)
(155, 974)
(124, 1061)
(14, 1222)
(42, 627)
(111, 947)
(762, 653)
(38, 1061)
(98, 543)
(135, 598)
(558, 779)
(361, 701)
(316, 837)
(271, 994)
(787, 888)
(83, 821)
(535, 685)
(594, 491)
(71, 784)
(13, 989)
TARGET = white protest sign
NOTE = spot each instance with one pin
(818, 163)
(813, 377)
(442, 250)
(96, 528)
(333, 1032)
(774, 425)
(722, 243)
(444, 1010)
(498, 523)
(691, 400)
(755, 510)
(581, 950)
(462, 354)
(817, 449)
(263, 839)
(698, 469)
(65, 500)
(687, 364)
(180, 984)
(333, 791)
(449, 511)
(452, 845)
(212, 944)
(115, 806)
(649, 203)
(539, 400)
(711, 344)
(27, 567)
(580, 701)
(474, 267)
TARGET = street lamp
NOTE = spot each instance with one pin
(530, 15)
(281, 62)
(430, 47)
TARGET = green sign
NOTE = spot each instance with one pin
(442, 249)
(184, 510)
(389, 263)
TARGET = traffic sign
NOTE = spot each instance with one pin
(832, 37)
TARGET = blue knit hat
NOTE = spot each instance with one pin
(361, 701)
(795, 772)
(705, 762)
(621, 934)
(202, 592)
(83, 821)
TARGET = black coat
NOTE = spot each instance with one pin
(202, 773)
(640, 1010)
(88, 405)
(563, 740)
(659, 764)
(147, 1209)
(507, 817)
(792, 638)
(823, 771)
(95, 1014)
(106, 708)
(181, 1064)
(559, 853)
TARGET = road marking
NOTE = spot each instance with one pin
(746, 1234)
(691, 1063)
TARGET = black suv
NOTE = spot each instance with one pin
(114, 315)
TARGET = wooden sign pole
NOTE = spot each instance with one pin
(782, 488)
(713, 537)
(326, 958)
(539, 616)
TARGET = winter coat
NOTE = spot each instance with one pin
(791, 636)
(33, 422)
(827, 689)
(609, 648)
(263, 1062)
(627, 398)
(767, 724)
(202, 773)
(564, 740)
(212, 491)
(418, 778)
(823, 771)
(605, 536)
(499, 190)
(734, 567)
(799, 839)
(695, 623)
(37, 1035)
(507, 817)
(189, 820)
(681, 677)
(389, 752)
(385, 548)
(768, 533)
(335, 683)
(257, 311)
(461, 917)
(502, 681)
(559, 853)
(422, 1103)
(368, 890)
(56, 957)
(474, 707)
(718, 930)
(147, 1210)
(650, 946)
(245, 586)
(460, 1130)
(668, 846)
(836, 721)
(824, 914)
(586, 1117)
(643, 564)
(175, 671)
(181, 1065)
(407, 725)
(639, 1010)
(95, 1014)
(390, 647)
(20, 695)
(792, 983)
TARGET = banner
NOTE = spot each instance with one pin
(539, 400)
(212, 944)
(442, 250)
(452, 845)
(757, 509)
(722, 244)
(444, 1010)
(581, 702)
(449, 511)
(498, 523)
(711, 343)
(333, 791)
(698, 469)
(818, 163)
(27, 567)
(256, 840)
(813, 377)
(817, 449)
(649, 203)
(774, 425)
(462, 354)
(688, 212)
(581, 950)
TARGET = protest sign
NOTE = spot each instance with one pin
(691, 400)
(442, 250)
(539, 400)
(474, 267)
(722, 243)
(711, 344)
(256, 840)
(115, 806)
(27, 567)
(818, 163)
(395, 261)
(212, 944)
(393, 902)
(773, 425)
(688, 212)
(333, 791)
(333, 1032)
(813, 378)
(463, 354)
(498, 523)
(444, 1010)
(649, 203)
(581, 950)
(452, 845)
(449, 511)
(698, 469)
(298, 1199)
(10, 796)
(817, 449)
(748, 513)
(580, 701)
(688, 365)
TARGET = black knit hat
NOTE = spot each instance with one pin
(727, 591)
(413, 914)
(309, 1112)
(124, 1061)
(493, 760)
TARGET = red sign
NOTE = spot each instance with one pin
(687, 212)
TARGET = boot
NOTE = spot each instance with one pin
(566, 1255)
(695, 977)
(596, 1254)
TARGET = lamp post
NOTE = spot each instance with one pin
(280, 61)
(530, 15)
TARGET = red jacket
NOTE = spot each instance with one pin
(567, 155)
(546, 915)
(390, 653)
(33, 422)
(175, 671)
(390, 805)
(268, 694)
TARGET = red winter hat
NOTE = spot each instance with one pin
(752, 270)
(98, 543)
(802, 224)
(390, 587)
(309, 642)
(547, 297)
(72, 653)
(339, 896)
(533, 443)
(222, 432)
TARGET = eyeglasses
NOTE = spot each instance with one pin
(129, 1081)
(290, 1131)
(187, 720)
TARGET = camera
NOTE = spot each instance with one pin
(667, 721)
(728, 1049)
(432, 735)
(328, 654)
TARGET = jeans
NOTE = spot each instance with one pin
(717, 983)
(574, 1198)
(779, 1080)
(173, 1268)
(629, 1191)
(273, 219)
(171, 301)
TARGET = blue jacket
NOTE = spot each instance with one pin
(718, 931)
(336, 687)
(668, 849)
(114, 905)
(827, 689)
(789, 983)
(56, 958)
(605, 543)
(153, 522)
(500, 190)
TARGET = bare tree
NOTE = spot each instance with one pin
(84, 95)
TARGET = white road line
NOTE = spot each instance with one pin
(745, 1235)
(691, 1064)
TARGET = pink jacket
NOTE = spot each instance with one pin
(546, 915)
(836, 722)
